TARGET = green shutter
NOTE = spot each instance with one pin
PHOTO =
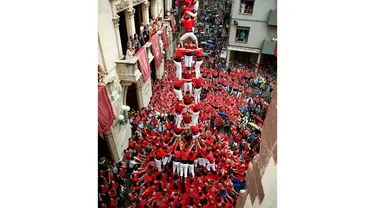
(268, 47)
(272, 20)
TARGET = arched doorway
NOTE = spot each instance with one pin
(131, 97)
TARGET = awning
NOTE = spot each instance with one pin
(106, 116)
(268, 47)
(272, 19)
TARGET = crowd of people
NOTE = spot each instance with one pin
(191, 146)
(138, 40)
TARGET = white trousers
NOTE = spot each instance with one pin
(183, 169)
(198, 68)
(195, 162)
(196, 6)
(178, 94)
(176, 168)
(178, 69)
(188, 60)
(200, 161)
(188, 35)
(158, 165)
(211, 166)
(178, 119)
(205, 162)
(197, 95)
(194, 119)
(191, 169)
(188, 87)
(165, 160)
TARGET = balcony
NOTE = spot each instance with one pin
(268, 47)
(127, 70)
(272, 19)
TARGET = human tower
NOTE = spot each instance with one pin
(187, 86)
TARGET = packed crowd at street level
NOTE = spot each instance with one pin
(192, 145)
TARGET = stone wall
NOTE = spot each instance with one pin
(261, 174)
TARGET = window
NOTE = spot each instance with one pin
(242, 34)
(246, 7)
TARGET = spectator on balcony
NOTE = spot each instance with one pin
(129, 52)
(146, 34)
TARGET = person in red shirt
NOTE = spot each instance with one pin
(188, 99)
(187, 119)
(188, 58)
(162, 152)
(198, 62)
(179, 108)
(191, 160)
(177, 88)
(188, 75)
(196, 109)
(184, 161)
(177, 60)
(211, 160)
(188, 21)
(197, 89)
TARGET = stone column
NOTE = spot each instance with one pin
(160, 8)
(130, 24)
(112, 146)
(145, 8)
(153, 8)
(116, 24)
(161, 43)
(168, 6)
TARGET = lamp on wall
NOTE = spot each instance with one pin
(235, 22)
(123, 117)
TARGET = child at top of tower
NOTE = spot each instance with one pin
(188, 21)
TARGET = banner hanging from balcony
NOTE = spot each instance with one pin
(106, 116)
(156, 51)
(275, 50)
(173, 23)
(143, 63)
(164, 36)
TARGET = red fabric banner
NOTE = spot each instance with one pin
(143, 63)
(156, 50)
(164, 36)
(106, 116)
(275, 50)
(173, 23)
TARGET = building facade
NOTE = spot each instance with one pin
(118, 20)
(253, 26)
(261, 176)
